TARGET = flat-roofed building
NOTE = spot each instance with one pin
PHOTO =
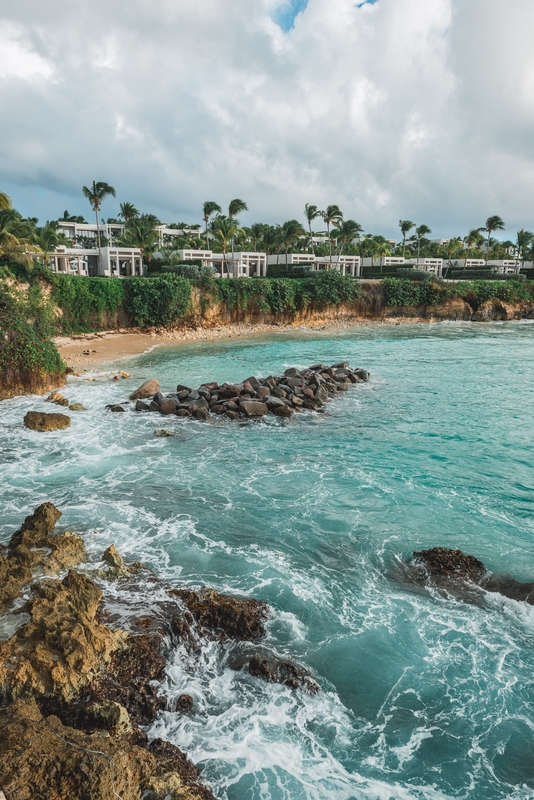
(117, 262)
(240, 265)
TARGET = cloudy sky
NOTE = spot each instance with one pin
(420, 109)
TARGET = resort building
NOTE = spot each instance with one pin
(116, 262)
(205, 256)
(346, 264)
(166, 235)
(76, 231)
(240, 265)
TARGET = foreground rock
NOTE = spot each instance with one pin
(78, 677)
(445, 568)
(293, 392)
(41, 421)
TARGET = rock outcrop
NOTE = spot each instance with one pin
(449, 569)
(41, 421)
(293, 392)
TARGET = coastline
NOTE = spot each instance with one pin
(110, 346)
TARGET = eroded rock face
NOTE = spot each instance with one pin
(62, 647)
(42, 422)
(276, 670)
(496, 309)
(34, 550)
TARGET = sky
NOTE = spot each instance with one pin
(393, 109)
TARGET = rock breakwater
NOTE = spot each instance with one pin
(293, 392)
(83, 659)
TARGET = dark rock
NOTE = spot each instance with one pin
(210, 387)
(199, 412)
(321, 395)
(181, 388)
(205, 394)
(225, 616)
(317, 367)
(297, 401)
(273, 402)
(294, 382)
(167, 407)
(343, 386)
(362, 374)
(218, 409)
(184, 704)
(171, 761)
(263, 392)
(252, 408)
(182, 412)
(42, 422)
(158, 398)
(140, 405)
(254, 382)
(183, 394)
(283, 411)
(213, 401)
(291, 371)
(440, 562)
(247, 388)
(340, 365)
(275, 670)
(232, 414)
(277, 392)
(229, 390)
(194, 395)
(231, 405)
(154, 407)
(163, 433)
(307, 392)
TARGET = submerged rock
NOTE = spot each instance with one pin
(77, 407)
(57, 398)
(225, 616)
(42, 421)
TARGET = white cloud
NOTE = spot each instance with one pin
(405, 108)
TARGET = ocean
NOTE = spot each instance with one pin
(424, 695)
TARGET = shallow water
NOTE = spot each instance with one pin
(424, 696)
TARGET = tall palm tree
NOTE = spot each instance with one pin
(421, 231)
(210, 207)
(96, 194)
(347, 231)
(474, 238)
(257, 233)
(128, 212)
(405, 225)
(494, 223)
(16, 238)
(525, 240)
(332, 216)
(236, 207)
(48, 239)
(311, 213)
(224, 229)
(141, 232)
(290, 233)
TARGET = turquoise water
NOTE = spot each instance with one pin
(424, 696)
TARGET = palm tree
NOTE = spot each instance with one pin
(421, 231)
(96, 194)
(332, 216)
(347, 231)
(16, 238)
(311, 213)
(290, 233)
(48, 239)
(405, 225)
(257, 233)
(474, 238)
(128, 212)
(525, 240)
(224, 229)
(236, 207)
(5, 202)
(210, 207)
(494, 223)
(141, 232)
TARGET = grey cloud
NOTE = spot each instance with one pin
(405, 108)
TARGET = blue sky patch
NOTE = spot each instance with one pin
(285, 14)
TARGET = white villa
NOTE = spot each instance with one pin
(116, 262)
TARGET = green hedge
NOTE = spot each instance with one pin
(83, 301)
(157, 301)
(403, 292)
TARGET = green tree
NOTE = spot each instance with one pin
(210, 207)
(16, 238)
(96, 194)
(332, 216)
(405, 225)
(524, 242)
(236, 207)
(311, 213)
(347, 231)
(48, 240)
(224, 230)
(141, 233)
(290, 233)
(421, 231)
(5, 202)
(474, 238)
(494, 223)
(128, 212)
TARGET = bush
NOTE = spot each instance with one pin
(187, 269)
(157, 301)
(413, 274)
(83, 301)
(404, 292)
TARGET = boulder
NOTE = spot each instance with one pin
(199, 412)
(77, 407)
(340, 365)
(442, 562)
(252, 408)
(57, 398)
(116, 408)
(167, 407)
(140, 405)
(182, 412)
(221, 615)
(321, 395)
(229, 390)
(274, 402)
(184, 704)
(282, 411)
(114, 559)
(148, 389)
(274, 670)
(218, 409)
(41, 421)
(163, 433)
(232, 414)
(362, 374)
(263, 392)
(181, 388)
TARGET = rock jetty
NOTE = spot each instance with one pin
(293, 392)
(82, 665)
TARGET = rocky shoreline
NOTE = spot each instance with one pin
(80, 681)
(295, 391)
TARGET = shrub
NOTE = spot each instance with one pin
(157, 301)
(83, 301)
